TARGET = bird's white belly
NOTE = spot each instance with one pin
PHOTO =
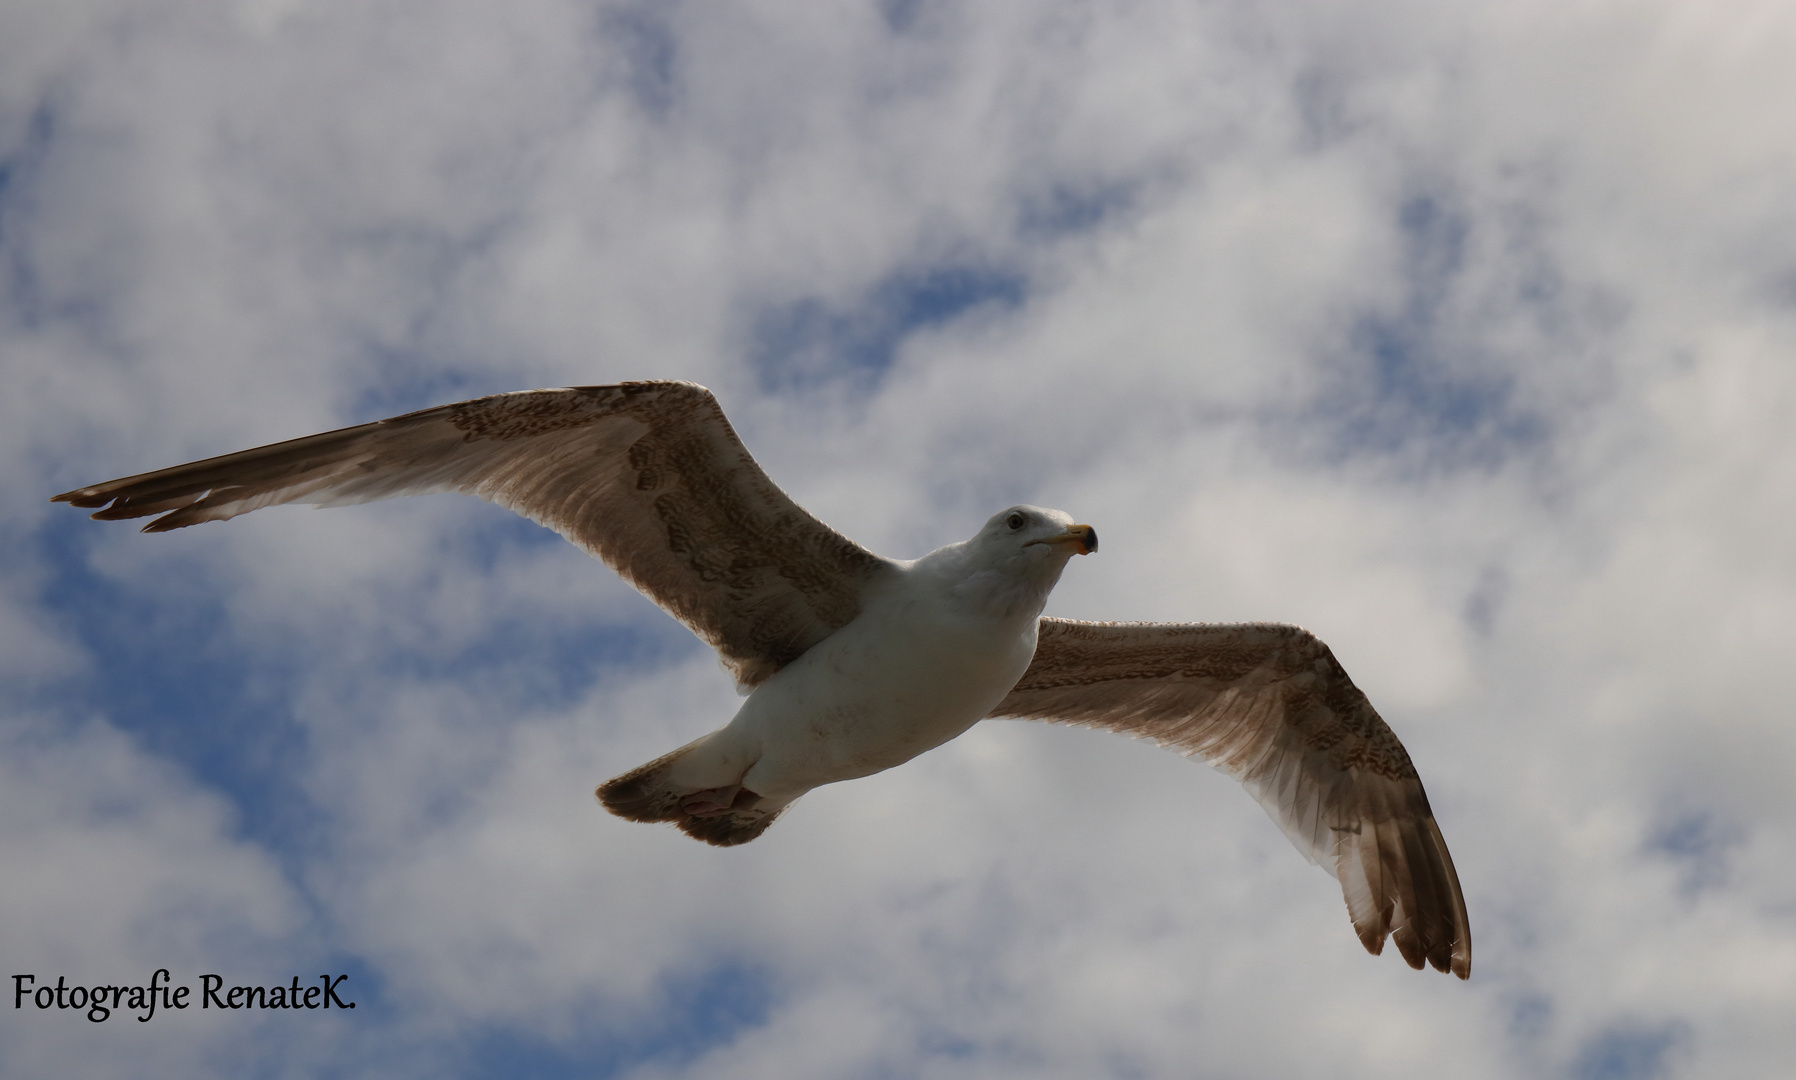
(900, 680)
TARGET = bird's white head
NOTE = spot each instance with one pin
(1031, 536)
(1015, 560)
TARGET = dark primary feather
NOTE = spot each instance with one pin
(647, 476)
(1270, 706)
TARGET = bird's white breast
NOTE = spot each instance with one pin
(926, 659)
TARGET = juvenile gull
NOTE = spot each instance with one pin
(855, 663)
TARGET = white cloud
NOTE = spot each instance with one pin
(116, 866)
(1457, 334)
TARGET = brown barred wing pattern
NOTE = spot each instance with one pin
(1270, 706)
(647, 476)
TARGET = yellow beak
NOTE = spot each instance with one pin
(1084, 536)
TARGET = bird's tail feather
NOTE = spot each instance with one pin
(728, 830)
(645, 793)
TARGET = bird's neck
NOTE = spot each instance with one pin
(1000, 594)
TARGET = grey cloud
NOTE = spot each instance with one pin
(1443, 331)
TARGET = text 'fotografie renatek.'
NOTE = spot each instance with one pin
(100, 1001)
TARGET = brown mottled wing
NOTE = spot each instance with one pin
(1270, 706)
(648, 476)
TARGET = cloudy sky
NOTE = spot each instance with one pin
(1462, 334)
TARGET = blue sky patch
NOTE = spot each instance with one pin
(1530, 1017)
(813, 341)
(172, 679)
(24, 290)
(181, 682)
(1065, 209)
(698, 1013)
(1407, 385)
(900, 15)
(1629, 1052)
(1698, 844)
(651, 55)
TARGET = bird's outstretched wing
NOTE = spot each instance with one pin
(647, 476)
(1270, 706)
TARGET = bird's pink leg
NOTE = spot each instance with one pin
(715, 801)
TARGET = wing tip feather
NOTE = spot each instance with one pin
(1399, 883)
(86, 498)
(170, 522)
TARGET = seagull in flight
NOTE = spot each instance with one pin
(853, 662)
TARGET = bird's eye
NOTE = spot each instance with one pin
(1015, 520)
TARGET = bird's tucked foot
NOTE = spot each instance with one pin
(725, 816)
(715, 802)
